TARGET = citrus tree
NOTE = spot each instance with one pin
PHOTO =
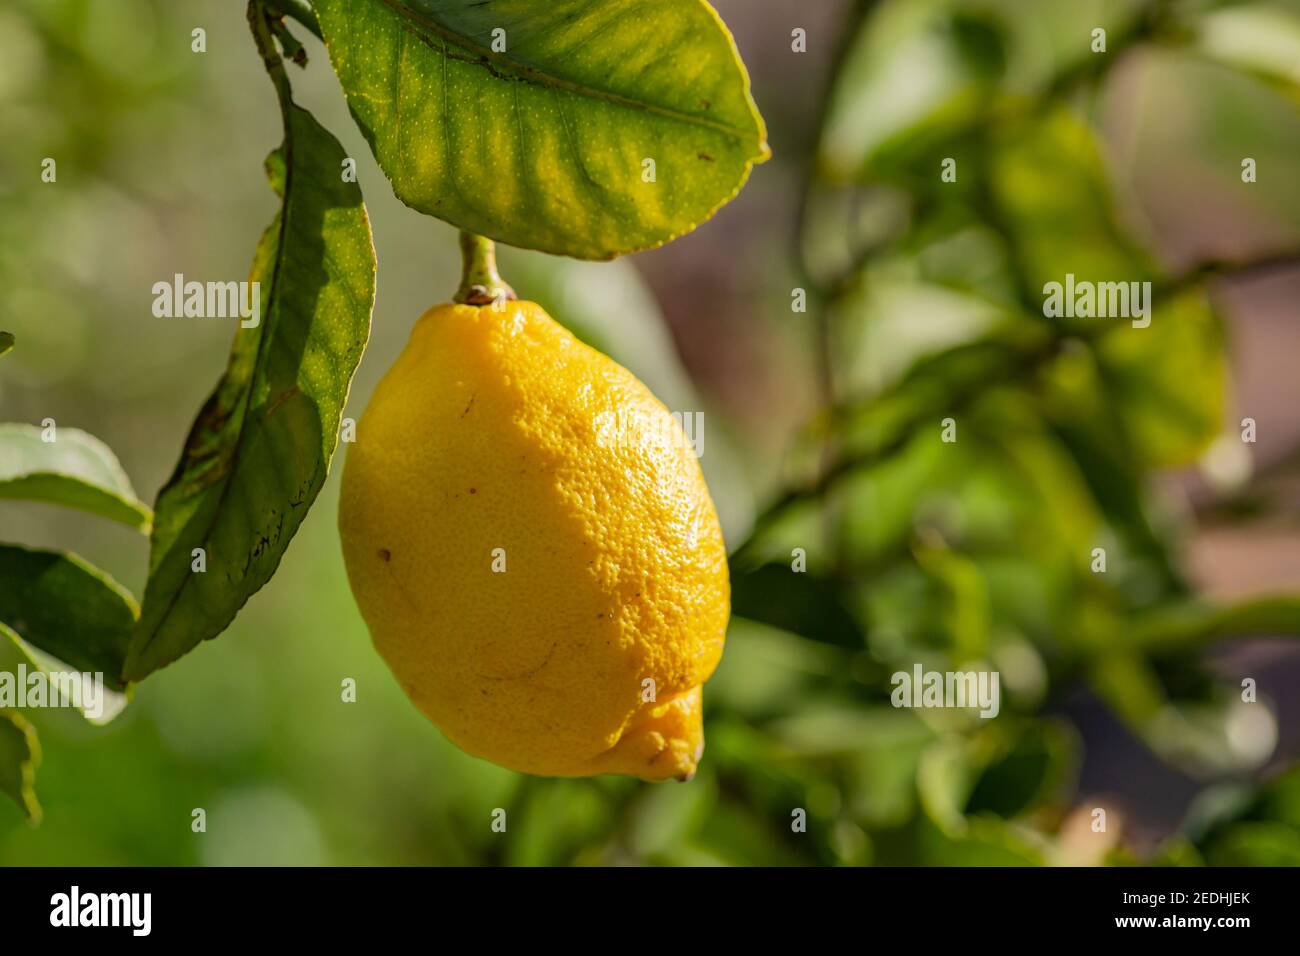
(978, 491)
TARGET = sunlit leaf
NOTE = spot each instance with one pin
(890, 323)
(966, 619)
(1086, 415)
(871, 425)
(914, 77)
(1260, 38)
(532, 123)
(1169, 380)
(882, 782)
(944, 780)
(1160, 353)
(1053, 189)
(259, 451)
(75, 470)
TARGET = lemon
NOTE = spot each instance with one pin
(533, 547)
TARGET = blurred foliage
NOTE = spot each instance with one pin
(979, 553)
(924, 301)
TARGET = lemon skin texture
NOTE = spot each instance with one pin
(534, 550)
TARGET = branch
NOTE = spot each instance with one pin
(297, 10)
(1279, 260)
(257, 22)
(1199, 624)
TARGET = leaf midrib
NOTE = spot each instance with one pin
(262, 344)
(486, 58)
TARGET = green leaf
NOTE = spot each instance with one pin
(1255, 844)
(1259, 38)
(1174, 629)
(557, 820)
(735, 834)
(542, 144)
(20, 753)
(1261, 830)
(1279, 799)
(1053, 190)
(966, 617)
(67, 608)
(1034, 763)
(890, 322)
(1091, 425)
(1208, 731)
(875, 426)
(259, 451)
(825, 730)
(944, 780)
(766, 670)
(76, 470)
(665, 817)
(886, 114)
(6, 342)
(983, 841)
(99, 705)
(1168, 380)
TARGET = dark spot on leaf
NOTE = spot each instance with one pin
(385, 554)
(706, 157)
(473, 491)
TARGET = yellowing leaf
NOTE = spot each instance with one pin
(577, 128)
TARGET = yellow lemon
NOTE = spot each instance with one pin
(532, 545)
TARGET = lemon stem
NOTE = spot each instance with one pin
(480, 283)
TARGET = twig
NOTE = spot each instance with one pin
(297, 10)
(1276, 261)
